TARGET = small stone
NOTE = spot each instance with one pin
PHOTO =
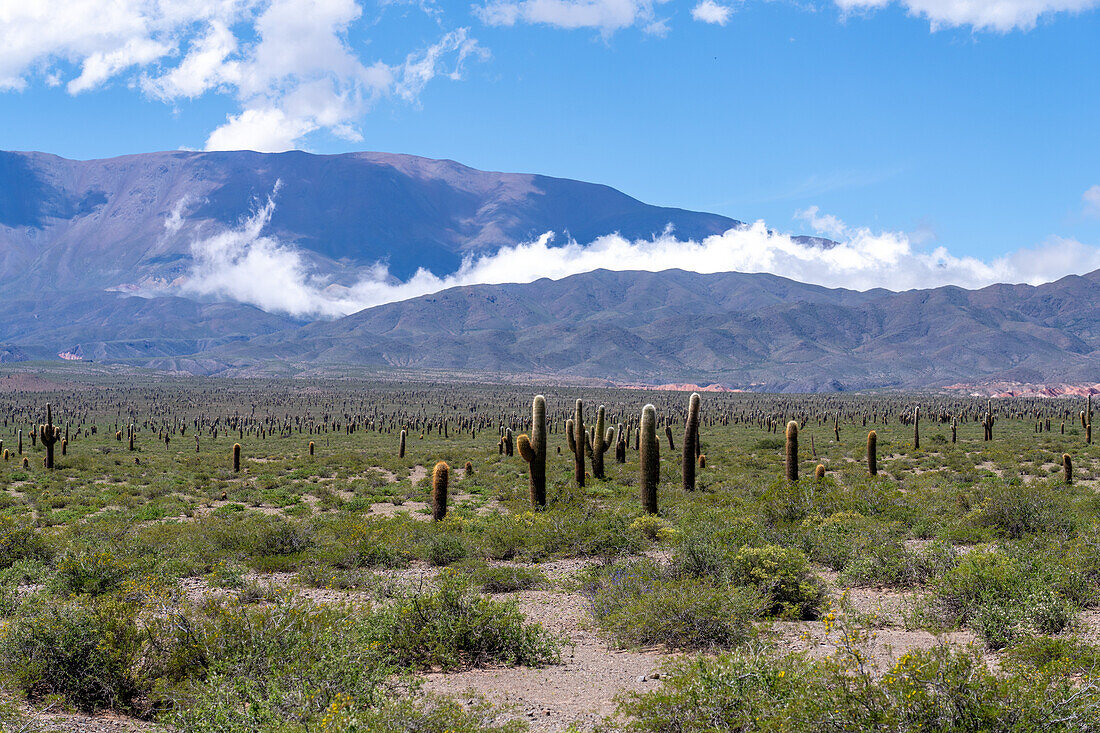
(641, 678)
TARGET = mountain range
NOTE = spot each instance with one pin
(95, 257)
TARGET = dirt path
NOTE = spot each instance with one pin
(579, 691)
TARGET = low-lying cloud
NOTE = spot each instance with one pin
(245, 265)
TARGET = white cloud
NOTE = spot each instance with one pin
(288, 64)
(1091, 199)
(606, 16)
(245, 265)
(825, 224)
(709, 11)
(994, 15)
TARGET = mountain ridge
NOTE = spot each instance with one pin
(78, 239)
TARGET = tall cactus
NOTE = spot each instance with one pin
(1088, 420)
(401, 445)
(1067, 468)
(598, 443)
(48, 434)
(236, 458)
(533, 450)
(440, 478)
(649, 455)
(872, 453)
(792, 451)
(620, 444)
(577, 440)
(691, 443)
(916, 426)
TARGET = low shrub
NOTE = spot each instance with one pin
(783, 578)
(641, 603)
(452, 626)
(507, 579)
(20, 541)
(85, 650)
(937, 690)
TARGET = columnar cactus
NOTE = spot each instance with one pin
(620, 444)
(649, 458)
(1067, 468)
(819, 472)
(691, 443)
(916, 426)
(533, 450)
(49, 433)
(311, 447)
(598, 443)
(577, 439)
(440, 477)
(668, 434)
(792, 451)
(236, 458)
(1088, 420)
(401, 445)
(954, 430)
(872, 453)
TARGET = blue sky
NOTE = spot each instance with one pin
(968, 124)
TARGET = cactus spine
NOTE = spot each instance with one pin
(440, 477)
(792, 451)
(649, 458)
(691, 443)
(533, 450)
(236, 458)
(872, 453)
(49, 434)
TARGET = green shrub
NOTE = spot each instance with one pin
(452, 626)
(85, 649)
(1015, 509)
(640, 603)
(428, 714)
(708, 542)
(937, 690)
(20, 541)
(93, 573)
(981, 577)
(784, 579)
(507, 579)
(1064, 655)
(446, 549)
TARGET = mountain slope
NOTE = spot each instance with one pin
(732, 328)
(98, 224)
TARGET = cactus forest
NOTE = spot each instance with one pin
(190, 554)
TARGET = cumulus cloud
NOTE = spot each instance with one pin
(606, 16)
(287, 63)
(709, 11)
(1091, 199)
(245, 265)
(994, 15)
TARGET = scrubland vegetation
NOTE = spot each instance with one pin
(309, 589)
